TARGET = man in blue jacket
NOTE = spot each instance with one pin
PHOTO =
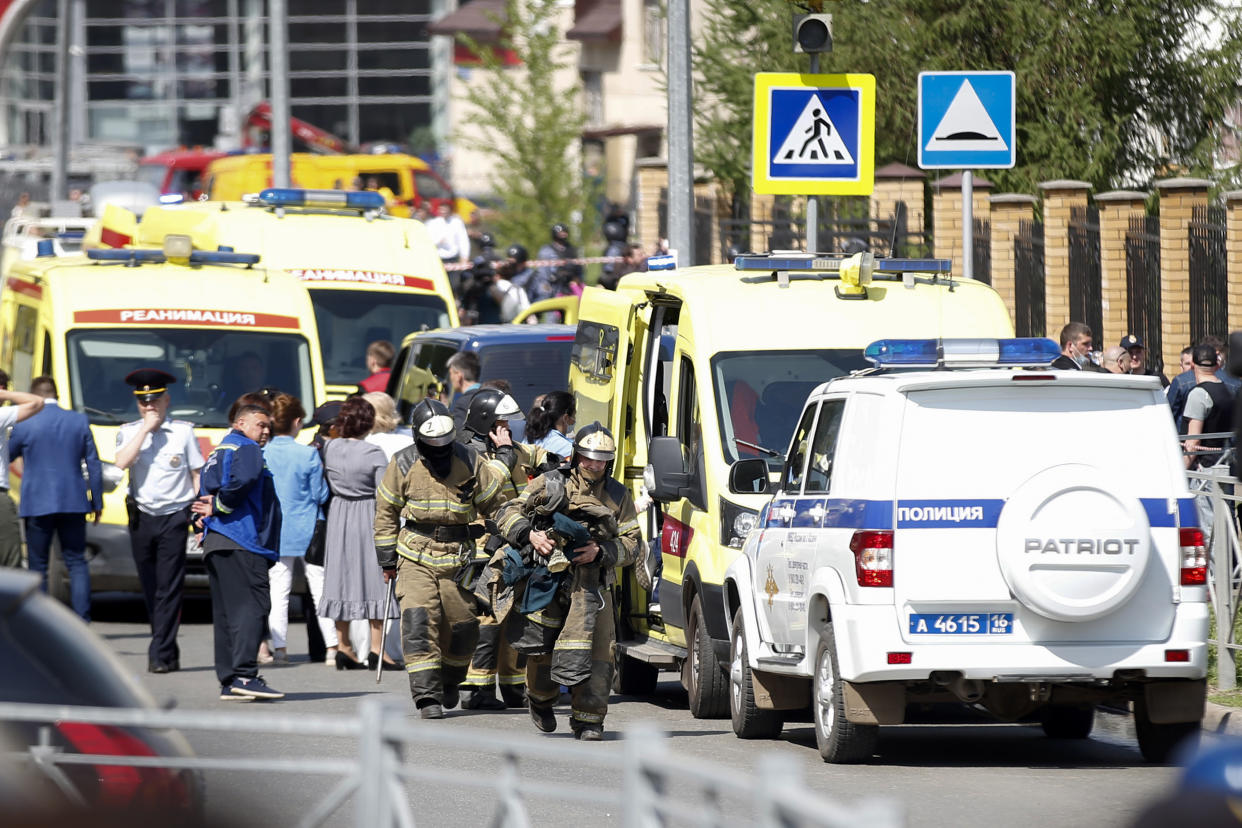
(241, 539)
(52, 446)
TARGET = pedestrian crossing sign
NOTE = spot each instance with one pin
(967, 120)
(813, 134)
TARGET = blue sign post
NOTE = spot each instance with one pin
(967, 120)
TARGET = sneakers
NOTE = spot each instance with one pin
(226, 694)
(163, 667)
(544, 718)
(255, 688)
(557, 562)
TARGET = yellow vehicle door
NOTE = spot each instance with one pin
(599, 367)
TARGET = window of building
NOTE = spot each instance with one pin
(654, 37)
(593, 91)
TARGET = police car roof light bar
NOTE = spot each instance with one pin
(223, 257)
(832, 264)
(364, 200)
(962, 353)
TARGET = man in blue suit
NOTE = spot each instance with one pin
(52, 446)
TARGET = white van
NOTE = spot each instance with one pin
(1020, 540)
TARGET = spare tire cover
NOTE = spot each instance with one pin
(1069, 546)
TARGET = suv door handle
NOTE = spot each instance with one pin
(785, 513)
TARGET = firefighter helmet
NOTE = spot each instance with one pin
(595, 442)
(432, 423)
(486, 407)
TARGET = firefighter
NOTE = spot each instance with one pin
(580, 611)
(495, 660)
(430, 494)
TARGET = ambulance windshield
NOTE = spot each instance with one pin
(213, 368)
(759, 394)
(350, 320)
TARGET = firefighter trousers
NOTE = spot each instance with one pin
(494, 660)
(589, 697)
(438, 628)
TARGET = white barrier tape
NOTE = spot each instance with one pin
(544, 262)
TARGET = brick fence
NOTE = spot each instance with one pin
(1177, 201)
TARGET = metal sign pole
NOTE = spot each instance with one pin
(278, 35)
(812, 201)
(680, 227)
(57, 187)
(968, 224)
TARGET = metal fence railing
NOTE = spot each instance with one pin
(395, 756)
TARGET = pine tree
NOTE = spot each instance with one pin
(531, 126)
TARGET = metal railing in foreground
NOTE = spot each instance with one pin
(642, 772)
(1216, 494)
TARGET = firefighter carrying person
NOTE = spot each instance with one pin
(575, 616)
(430, 495)
(495, 660)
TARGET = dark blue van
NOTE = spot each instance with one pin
(533, 358)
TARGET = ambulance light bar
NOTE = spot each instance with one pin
(832, 264)
(365, 200)
(961, 353)
(134, 256)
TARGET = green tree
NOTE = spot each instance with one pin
(531, 125)
(1114, 93)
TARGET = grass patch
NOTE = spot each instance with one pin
(1230, 698)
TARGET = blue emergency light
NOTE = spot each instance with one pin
(885, 353)
(172, 198)
(350, 199)
(135, 256)
(832, 264)
(45, 247)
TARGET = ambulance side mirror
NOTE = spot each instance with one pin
(749, 476)
(669, 478)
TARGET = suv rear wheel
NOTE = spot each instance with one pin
(840, 741)
(749, 720)
(1067, 721)
(702, 674)
(1157, 741)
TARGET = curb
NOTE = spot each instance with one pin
(1217, 718)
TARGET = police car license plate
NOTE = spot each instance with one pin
(969, 623)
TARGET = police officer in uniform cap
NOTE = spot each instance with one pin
(163, 459)
(495, 660)
(430, 495)
(582, 656)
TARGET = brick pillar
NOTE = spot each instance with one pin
(1178, 198)
(704, 189)
(1060, 197)
(896, 183)
(1233, 256)
(947, 215)
(1007, 209)
(652, 179)
(1116, 209)
(762, 206)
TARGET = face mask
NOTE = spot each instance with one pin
(439, 458)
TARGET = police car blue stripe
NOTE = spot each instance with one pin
(948, 514)
(1159, 516)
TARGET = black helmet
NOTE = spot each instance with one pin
(487, 240)
(486, 407)
(615, 231)
(518, 253)
(482, 266)
(432, 423)
(560, 232)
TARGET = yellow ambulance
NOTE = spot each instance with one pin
(695, 369)
(219, 321)
(370, 276)
(409, 180)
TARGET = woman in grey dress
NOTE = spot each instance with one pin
(353, 582)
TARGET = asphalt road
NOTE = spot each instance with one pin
(966, 773)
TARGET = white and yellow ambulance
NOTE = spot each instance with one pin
(370, 276)
(697, 368)
(219, 321)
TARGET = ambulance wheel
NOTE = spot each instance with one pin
(749, 720)
(702, 675)
(840, 741)
(1067, 721)
(1157, 742)
(633, 677)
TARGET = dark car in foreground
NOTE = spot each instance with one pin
(49, 657)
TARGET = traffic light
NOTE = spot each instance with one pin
(812, 33)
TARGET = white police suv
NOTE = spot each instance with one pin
(1011, 537)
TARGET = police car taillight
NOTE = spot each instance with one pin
(873, 557)
(1194, 556)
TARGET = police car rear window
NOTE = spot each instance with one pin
(532, 368)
